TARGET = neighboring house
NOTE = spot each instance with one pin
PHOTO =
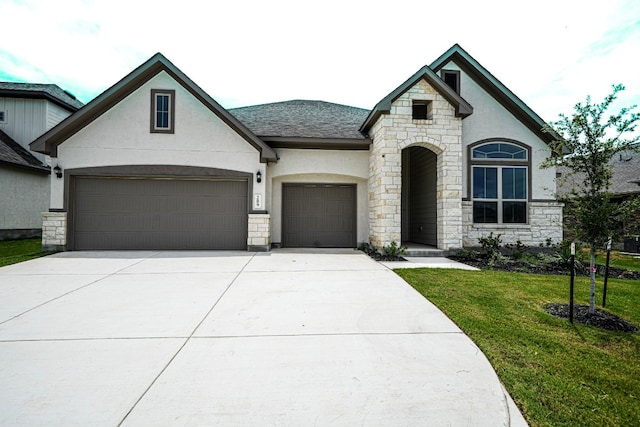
(625, 184)
(155, 163)
(27, 111)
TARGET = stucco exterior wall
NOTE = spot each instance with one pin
(396, 131)
(318, 166)
(121, 136)
(23, 198)
(491, 120)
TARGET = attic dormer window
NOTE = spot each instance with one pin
(162, 111)
(421, 110)
(452, 79)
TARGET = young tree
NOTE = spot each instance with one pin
(584, 144)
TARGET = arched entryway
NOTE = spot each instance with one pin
(419, 196)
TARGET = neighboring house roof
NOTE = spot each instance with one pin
(494, 87)
(48, 143)
(50, 92)
(302, 123)
(462, 107)
(13, 154)
(626, 174)
(625, 180)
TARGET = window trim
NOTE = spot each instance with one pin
(456, 73)
(499, 163)
(154, 110)
(3, 116)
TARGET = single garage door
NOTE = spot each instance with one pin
(130, 213)
(319, 215)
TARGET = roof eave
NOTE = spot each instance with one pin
(43, 170)
(318, 143)
(37, 94)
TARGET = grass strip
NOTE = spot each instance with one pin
(559, 374)
(15, 251)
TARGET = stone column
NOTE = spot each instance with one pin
(54, 231)
(259, 235)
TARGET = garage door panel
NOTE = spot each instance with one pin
(319, 215)
(116, 213)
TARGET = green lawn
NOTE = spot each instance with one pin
(15, 251)
(618, 260)
(559, 374)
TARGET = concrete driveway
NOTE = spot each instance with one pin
(232, 338)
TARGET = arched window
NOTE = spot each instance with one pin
(500, 182)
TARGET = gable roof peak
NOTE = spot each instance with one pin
(462, 107)
(495, 88)
(48, 143)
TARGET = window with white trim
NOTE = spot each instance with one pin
(162, 111)
(3, 117)
(499, 182)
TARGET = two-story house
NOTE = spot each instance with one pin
(26, 112)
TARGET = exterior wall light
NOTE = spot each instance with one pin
(58, 171)
(259, 177)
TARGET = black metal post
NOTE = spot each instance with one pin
(606, 274)
(573, 275)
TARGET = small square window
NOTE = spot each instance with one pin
(162, 111)
(421, 110)
(3, 117)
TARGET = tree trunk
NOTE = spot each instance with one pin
(592, 269)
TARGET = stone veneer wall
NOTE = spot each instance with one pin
(396, 131)
(545, 222)
(54, 230)
(259, 235)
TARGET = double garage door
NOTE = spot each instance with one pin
(131, 213)
(319, 215)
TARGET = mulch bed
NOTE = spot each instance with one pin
(382, 257)
(600, 319)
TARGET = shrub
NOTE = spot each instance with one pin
(467, 254)
(518, 249)
(394, 250)
(367, 248)
(563, 255)
(491, 247)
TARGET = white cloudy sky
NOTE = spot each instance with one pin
(551, 53)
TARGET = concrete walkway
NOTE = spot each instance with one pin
(233, 338)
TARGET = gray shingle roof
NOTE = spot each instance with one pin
(626, 175)
(41, 90)
(304, 119)
(14, 154)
